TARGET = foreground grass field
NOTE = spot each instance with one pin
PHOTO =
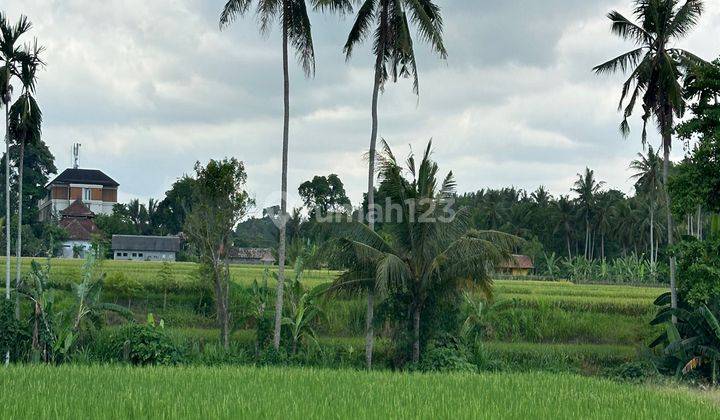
(168, 393)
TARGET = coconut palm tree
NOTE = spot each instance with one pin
(587, 188)
(10, 55)
(649, 182)
(295, 26)
(422, 254)
(656, 70)
(25, 128)
(388, 22)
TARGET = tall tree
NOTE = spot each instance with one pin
(323, 194)
(387, 20)
(220, 201)
(295, 27)
(587, 188)
(10, 54)
(25, 128)
(648, 182)
(656, 70)
(424, 254)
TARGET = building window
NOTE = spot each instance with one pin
(124, 254)
(118, 254)
(140, 255)
(134, 254)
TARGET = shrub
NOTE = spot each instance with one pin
(634, 372)
(13, 338)
(145, 345)
(446, 354)
(699, 271)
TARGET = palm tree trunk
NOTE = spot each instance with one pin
(7, 201)
(652, 233)
(416, 335)
(587, 238)
(369, 331)
(667, 139)
(18, 252)
(7, 207)
(283, 186)
(567, 239)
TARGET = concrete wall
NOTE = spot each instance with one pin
(67, 249)
(143, 255)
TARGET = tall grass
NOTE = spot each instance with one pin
(110, 392)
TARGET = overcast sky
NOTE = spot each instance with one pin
(149, 87)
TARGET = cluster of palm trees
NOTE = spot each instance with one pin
(657, 71)
(594, 224)
(387, 22)
(23, 120)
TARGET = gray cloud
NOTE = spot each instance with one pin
(151, 87)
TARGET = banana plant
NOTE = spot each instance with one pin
(690, 344)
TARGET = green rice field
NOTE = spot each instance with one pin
(532, 325)
(109, 392)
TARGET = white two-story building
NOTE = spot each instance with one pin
(97, 191)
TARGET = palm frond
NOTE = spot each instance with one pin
(232, 10)
(626, 29)
(623, 62)
(361, 27)
(686, 18)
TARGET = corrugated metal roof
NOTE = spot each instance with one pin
(262, 254)
(519, 261)
(146, 243)
(84, 176)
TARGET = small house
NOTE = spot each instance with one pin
(259, 256)
(518, 265)
(145, 248)
(77, 220)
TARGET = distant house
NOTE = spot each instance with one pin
(77, 220)
(262, 256)
(518, 265)
(145, 248)
(95, 189)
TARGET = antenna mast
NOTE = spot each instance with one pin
(76, 154)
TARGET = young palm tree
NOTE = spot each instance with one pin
(422, 254)
(295, 27)
(587, 188)
(649, 182)
(25, 128)
(656, 70)
(387, 20)
(10, 55)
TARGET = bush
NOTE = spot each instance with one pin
(698, 270)
(144, 345)
(445, 357)
(634, 372)
(13, 338)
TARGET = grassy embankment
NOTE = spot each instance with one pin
(531, 325)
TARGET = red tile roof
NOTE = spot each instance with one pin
(77, 209)
(519, 261)
(79, 229)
